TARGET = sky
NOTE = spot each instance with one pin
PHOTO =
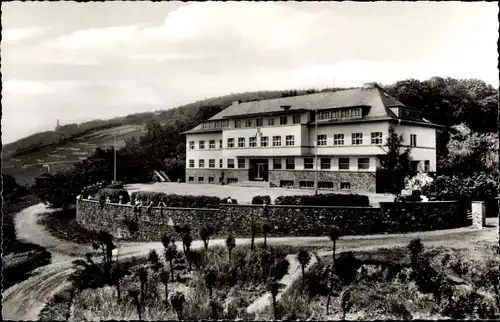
(80, 61)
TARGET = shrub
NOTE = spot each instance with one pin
(330, 199)
(259, 200)
(16, 267)
(173, 200)
(114, 195)
(116, 185)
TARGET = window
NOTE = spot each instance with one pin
(200, 179)
(191, 145)
(296, 119)
(241, 163)
(427, 165)
(363, 163)
(248, 123)
(232, 180)
(355, 112)
(338, 139)
(252, 141)
(241, 142)
(343, 163)
(221, 163)
(191, 179)
(324, 115)
(357, 138)
(321, 139)
(413, 140)
(201, 163)
(306, 184)
(286, 183)
(237, 124)
(230, 143)
(345, 186)
(325, 185)
(308, 163)
(259, 122)
(326, 163)
(220, 144)
(230, 163)
(376, 137)
(211, 163)
(290, 140)
(270, 122)
(276, 140)
(191, 163)
(283, 120)
(211, 144)
(290, 163)
(202, 145)
(264, 141)
(211, 179)
(276, 164)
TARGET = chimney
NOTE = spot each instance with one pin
(236, 102)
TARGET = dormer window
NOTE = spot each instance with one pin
(285, 107)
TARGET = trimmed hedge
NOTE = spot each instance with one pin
(16, 267)
(330, 199)
(116, 185)
(173, 200)
(259, 200)
(114, 195)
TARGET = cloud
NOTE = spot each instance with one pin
(15, 35)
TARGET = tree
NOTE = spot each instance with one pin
(334, 235)
(133, 293)
(154, 260)
(104, 243)
(177, 300)
(304, 258)
(142, 274)
(415, 246)
(253, 230)
(265, 258)
(87, 274)
(345, 302)
(116, 276)
(210, 277)
(186, 241)
(230, 244)
(274, 288)
(205, 234)
(266, 228)
(164, 276)
(170, 255)
(395, 165)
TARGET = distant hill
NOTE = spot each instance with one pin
(24, 159)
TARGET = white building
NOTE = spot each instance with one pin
(274, 140)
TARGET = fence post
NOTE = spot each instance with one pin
(478, 214)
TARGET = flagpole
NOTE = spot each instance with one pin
(316, 152)
(114, 176)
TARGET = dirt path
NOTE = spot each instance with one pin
(25, 300)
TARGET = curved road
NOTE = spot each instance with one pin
(25, 300)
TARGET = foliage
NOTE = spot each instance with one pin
(230, 245)
(479, 186)
(58, 307)
(172, 200)
(16, 267)
(114, 195)
(346, 267)
(415, 246)
(327, 199)
(303, 258)
(260, 200)
(418, 181)
(116, 185)
(177, 300)
(205, 233)
(395, 164)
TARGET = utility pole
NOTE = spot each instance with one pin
(316, 151)
(114, 175)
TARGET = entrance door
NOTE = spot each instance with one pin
(260, 171)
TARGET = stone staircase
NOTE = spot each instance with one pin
(255, 184)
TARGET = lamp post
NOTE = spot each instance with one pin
(316, 152)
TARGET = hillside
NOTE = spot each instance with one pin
(24, 159)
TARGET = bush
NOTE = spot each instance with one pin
(259, 200)
(172, 200)
(330, 199)
(116, 185)
(17, 266)
(114, 195)
(58, 307)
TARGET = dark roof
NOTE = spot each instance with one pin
(370, 95)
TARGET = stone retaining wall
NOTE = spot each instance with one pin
(124, 222)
